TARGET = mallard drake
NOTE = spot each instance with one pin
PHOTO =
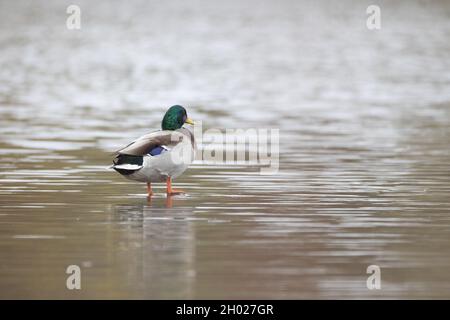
(159, 156)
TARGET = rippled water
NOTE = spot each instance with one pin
(364, 124)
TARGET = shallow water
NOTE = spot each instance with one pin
(364, 175)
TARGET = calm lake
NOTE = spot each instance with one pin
(364, 154)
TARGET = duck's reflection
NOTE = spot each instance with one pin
(158, 247)
(168, 202)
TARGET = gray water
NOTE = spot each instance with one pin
(364, 124)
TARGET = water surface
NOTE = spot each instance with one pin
(364, 124)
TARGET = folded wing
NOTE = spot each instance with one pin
(144, 144)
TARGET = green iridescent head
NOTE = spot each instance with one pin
(174, 118)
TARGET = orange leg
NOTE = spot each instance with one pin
(149, 189)
(171, 191)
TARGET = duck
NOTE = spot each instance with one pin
(159, 156)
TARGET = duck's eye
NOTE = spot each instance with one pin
(184, 118)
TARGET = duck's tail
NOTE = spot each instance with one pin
(127, 164)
